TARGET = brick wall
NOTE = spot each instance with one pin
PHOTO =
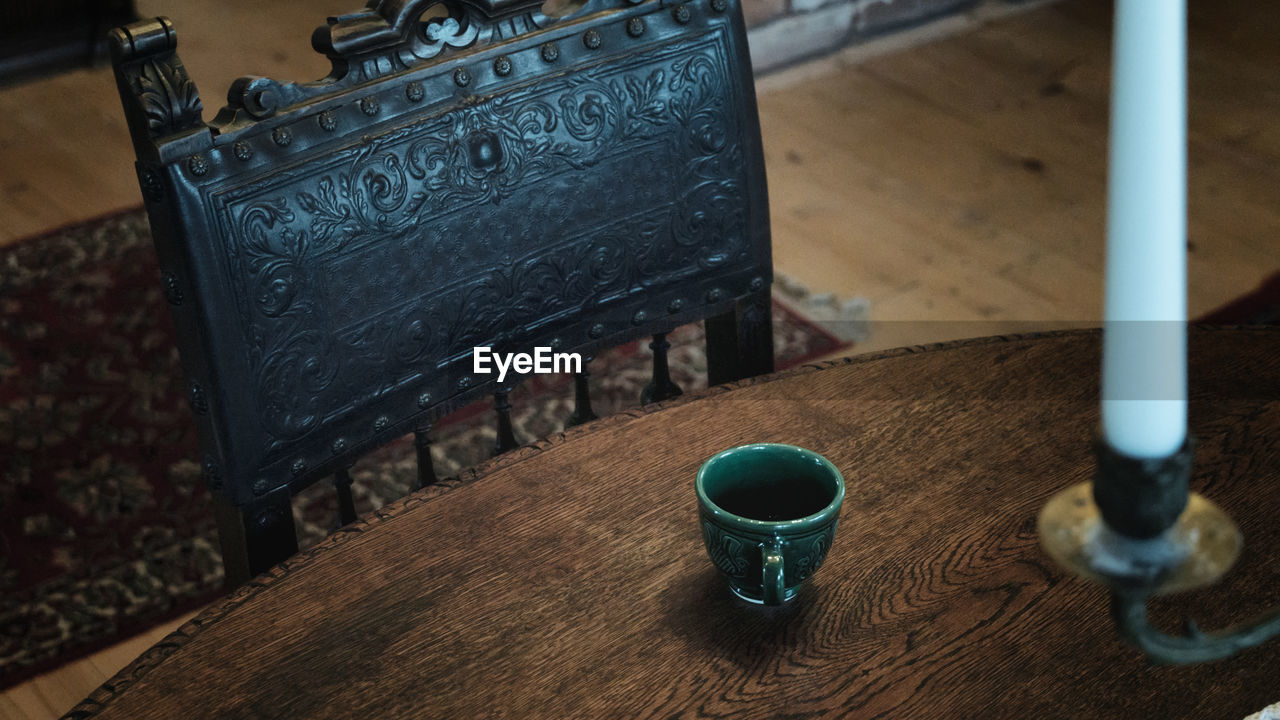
(783, 32)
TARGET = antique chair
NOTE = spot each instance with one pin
(492, 175)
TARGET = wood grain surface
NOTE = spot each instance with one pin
(568, 579)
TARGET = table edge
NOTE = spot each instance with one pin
(104, 695)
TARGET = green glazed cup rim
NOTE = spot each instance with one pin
(770, 527)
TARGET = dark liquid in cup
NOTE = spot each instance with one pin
(786, 499)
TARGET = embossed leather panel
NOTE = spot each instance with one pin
(575, 186)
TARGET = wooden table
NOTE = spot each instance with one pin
(568, 579)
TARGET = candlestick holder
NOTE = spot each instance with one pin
(1138, 530)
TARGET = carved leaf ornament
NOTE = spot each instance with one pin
(168, 97)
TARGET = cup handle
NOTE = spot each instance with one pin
(771, 560)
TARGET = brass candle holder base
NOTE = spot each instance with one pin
(1198, 550)
(1139, 531)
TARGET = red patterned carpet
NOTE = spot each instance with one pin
(105, 524)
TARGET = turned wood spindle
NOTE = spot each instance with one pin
(426, 467)
(506, 433)
(346, 503)
(582, 411)
(661, 387)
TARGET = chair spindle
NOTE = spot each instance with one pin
(582, 411)
(661, 387)
(346, 503)
(506, 433)
(426, 467)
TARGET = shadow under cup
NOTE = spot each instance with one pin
(768, 513)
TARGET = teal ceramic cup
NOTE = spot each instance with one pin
(768, 513)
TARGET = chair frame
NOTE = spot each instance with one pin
(574, 183)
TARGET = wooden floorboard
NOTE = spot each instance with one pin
(964, 181)
(958, 186)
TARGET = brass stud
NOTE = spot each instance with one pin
(198, 165)
(150, 183)
(211, 474)
(199, 403)
(172, 290)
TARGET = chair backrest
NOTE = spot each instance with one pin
(488, 175)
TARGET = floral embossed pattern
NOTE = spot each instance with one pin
(815, 552)
(727, 552)
(105, 524)
(464, 199)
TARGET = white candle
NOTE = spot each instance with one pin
(1144, 350)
